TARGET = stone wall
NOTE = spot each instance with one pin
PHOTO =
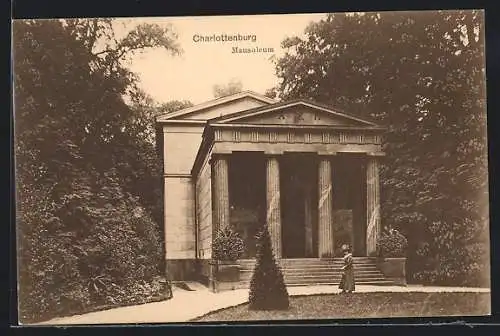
(204, 212)
(180, 147)
(179, 218)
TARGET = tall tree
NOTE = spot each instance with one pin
(78, 145)
(174, 105)
(271, 93)
(421, 74)
(234, 86)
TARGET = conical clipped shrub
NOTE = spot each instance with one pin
(267, 287)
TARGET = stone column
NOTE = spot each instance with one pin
(273, 214)
(308, 222)
(220, 177)
(372, 205)
(325, 209)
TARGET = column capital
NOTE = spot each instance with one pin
(375, 154)
(217, 156)
(222, 152)
(273, 152)
(326, 154)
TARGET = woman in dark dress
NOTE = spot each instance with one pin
(347, 282)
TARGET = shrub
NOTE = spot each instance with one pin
(267, 287)
(227, 245)
(392, 244)
(468, 265)
(84, 254)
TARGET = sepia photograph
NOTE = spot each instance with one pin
(279, 167)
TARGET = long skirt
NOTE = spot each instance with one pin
(347, 281)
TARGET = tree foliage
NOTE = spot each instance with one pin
(271, 93)
(267, 287)
(234, 86)
(422, 75)
(87, 175)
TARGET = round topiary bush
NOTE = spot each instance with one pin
(392, 244)
(227, 245)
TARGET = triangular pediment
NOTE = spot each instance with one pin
(220, 107)
(295, 113)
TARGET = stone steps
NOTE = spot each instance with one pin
(309, 271)
(319, 268)
(323, 276)
(325, 270)
(313, 262)
(323, 279)
(378, 282)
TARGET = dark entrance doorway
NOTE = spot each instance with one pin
(349, 203)
(247, 197)
(298, 180)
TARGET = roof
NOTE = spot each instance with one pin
(282, 105)
(227, 121)
(213, 103)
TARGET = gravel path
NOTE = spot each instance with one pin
(187, 305)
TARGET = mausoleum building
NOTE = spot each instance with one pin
(309, 172)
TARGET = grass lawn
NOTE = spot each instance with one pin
(364, 305)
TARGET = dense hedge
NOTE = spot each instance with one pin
(85, 252)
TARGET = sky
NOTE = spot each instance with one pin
(202, 65)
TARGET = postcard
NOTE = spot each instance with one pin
(246, 168)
